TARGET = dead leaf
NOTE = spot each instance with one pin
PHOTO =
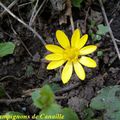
(68, 12)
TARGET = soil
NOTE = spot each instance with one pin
(24, 71)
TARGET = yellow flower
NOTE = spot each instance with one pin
(73, 54)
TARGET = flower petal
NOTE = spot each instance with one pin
(79, 70)
(75, 38)
(55, 64)
(54, 56)
(88, 49)
(67, 72)
(87, 61)
(54, 48)
(82, 41)
(62, 39)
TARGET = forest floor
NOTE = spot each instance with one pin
(26, 68)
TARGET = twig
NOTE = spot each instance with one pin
(68, 88)
(20, 40)
(69, 13)
(30, 54)
(34, 17)
(28, 93)
(8, 101)
(8, 95)
(72, 23)
(21, 5)
(117, 40)
(112, 60)
(34, 10)
(11, 76)
(60, 97)
(27, 26)
(9, 7)
(85, 21)
(4, 100)
(110, 31)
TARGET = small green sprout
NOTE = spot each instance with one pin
(44, 100)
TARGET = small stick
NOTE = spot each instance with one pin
(21, 40)
(110, 31)
(60, 97)
(72, 23)
(27, 26)
(9, 7)
(12, 77)
(8, 101)
(68, 88)
(34, 17)
(86, 17)
(34, 10)
(69, 13)
(117, 40)
(28, 93)
(21, 5)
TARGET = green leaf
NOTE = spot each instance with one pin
(108, 99)
(13, 113)
(112, 115)
(43, 97)
(100, 53)
(69, 114)
(102, 30)
(98, 37)
(16, 115)
(76, 3)
(6, 48)
(29, 71)
(53, 112)
(55, 87)
(88, 114)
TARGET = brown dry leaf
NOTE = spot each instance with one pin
(81, 25)
(68, 12)
(58, 5)
(69, 6)
(96, 16)
(63, 19)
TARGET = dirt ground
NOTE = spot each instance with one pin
(26, 68)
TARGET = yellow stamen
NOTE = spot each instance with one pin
(71, 54)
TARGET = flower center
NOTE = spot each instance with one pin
(71, 54)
